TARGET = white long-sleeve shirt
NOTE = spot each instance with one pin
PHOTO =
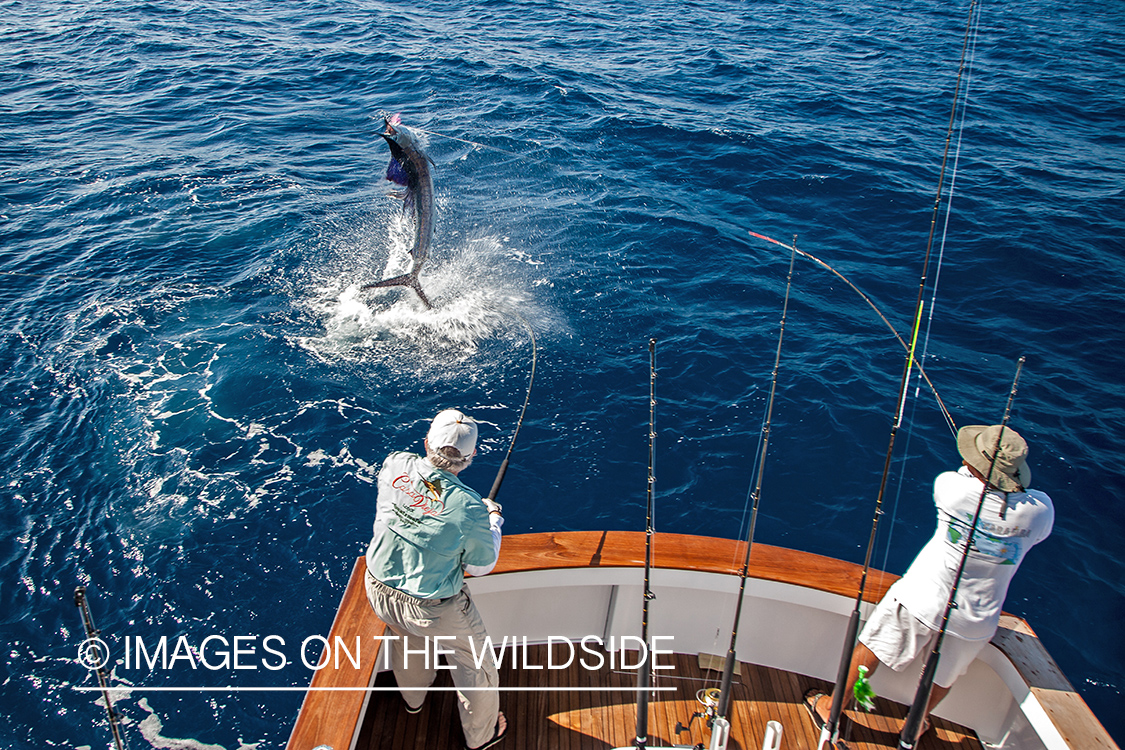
(999, 546)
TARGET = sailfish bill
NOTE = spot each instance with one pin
(410, 168)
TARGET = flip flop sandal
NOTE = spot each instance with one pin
(810, 698)
(497, 735)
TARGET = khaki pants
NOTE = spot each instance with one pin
(417, 622)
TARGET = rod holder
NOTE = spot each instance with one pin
(772, 738)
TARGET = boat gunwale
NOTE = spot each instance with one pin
(332, 711)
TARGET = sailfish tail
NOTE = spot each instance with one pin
(407, 279)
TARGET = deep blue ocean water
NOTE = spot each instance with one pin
(195, 397)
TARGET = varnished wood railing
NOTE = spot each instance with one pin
(330, 715)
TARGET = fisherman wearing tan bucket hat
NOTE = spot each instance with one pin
(1009, 472)
(1013, 518)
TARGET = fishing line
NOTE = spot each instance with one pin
(921, 371)
(178, 285)
(747, 504)
(519, 423)
(64, 276)
(830, 732)
(384, 115)
(95, 279)
(762, 431)
(914, 718)
(952, 185)
(723, 727)
(933, 296)
(481, 145)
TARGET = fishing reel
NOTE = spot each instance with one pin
(709, 699)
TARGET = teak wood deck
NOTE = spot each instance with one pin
(552, 720)
(338, 700)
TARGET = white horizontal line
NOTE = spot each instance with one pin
(232, 689)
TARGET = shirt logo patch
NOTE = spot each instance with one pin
(429, 505)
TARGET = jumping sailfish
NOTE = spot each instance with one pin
(410, 169)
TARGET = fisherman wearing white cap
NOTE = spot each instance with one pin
(430, 529)
(1013, 519)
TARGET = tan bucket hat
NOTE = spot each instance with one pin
(1010, 473)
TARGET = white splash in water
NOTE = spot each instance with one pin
(476, 295)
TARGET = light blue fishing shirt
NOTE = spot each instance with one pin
(429, 527)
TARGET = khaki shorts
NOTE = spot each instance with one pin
(898, 638)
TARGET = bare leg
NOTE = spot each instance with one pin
(936, 694)
(862, 656)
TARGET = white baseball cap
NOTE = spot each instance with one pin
(452, 429)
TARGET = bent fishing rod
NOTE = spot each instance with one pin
(723, 726)
(830, 732)
(644, 669)
(878, 312)
(93, 654)
(918, 708)
(519, 423)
